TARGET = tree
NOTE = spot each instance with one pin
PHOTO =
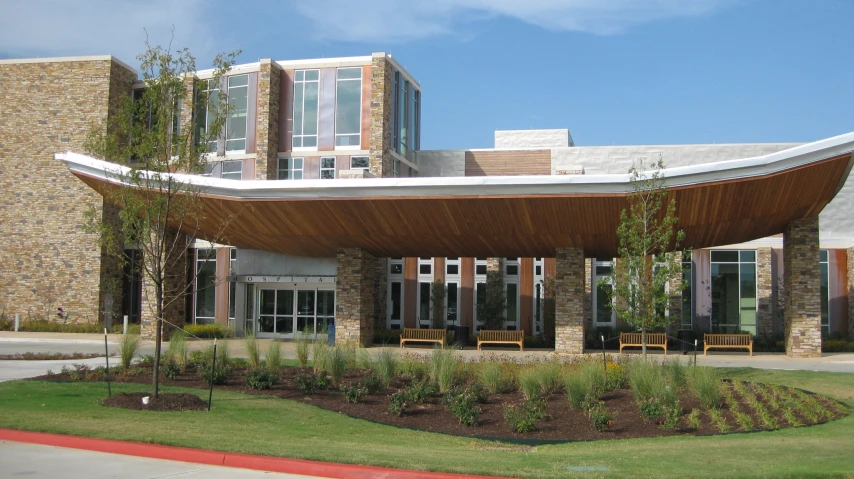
(437, 303)
(491, 307)
(162, 129)
(647, 235)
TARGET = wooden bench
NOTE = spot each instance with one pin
(653, 340)
(501, 337)
(423, 335)
(727, 341)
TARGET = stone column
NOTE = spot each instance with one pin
(382, 83)
(588, 292)
(267, 132)
(380, 293)
(569, 301)
(764, 298)
(802, 283)
(675, 303)
(354, 307)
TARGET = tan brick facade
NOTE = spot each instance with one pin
(802, 284)
(569, 301)
(354, 298)
(49, 107)
(267, 145)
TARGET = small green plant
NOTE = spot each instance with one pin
(419, 391)
(462, 402)
(273, 358)
(398, 402)
(614, 376)
(320, 351)
(178, 349)
(694, 419)
(261, 378)
(600, 416)
(744, 420)
(353, 393)
(338, 362)
(443, 368)
(790, 417)
(523, 417)
(529, 383)
(491, 376)
(309, 381)
(385, 365)
(171, 369)
(652, 408)
(250, 342)
(372, 382)
(705, 384)
(222, 371)
(209, 331)
(719, 420)
(302, 344)
(672, 417)
(128, 347)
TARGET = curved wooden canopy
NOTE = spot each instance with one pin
(478, 220)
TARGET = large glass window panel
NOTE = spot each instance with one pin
(299, 88)
(348, 107)
(325, 310)
(411, 118)
(238, 100)
(396, 300)
(451, 307)
(267, 306)
(748, 297)
(725, 297)
(359, 162)
(512, 301)
(604, 309)
(305, 310)
(205, 286)
(327, 168)
(306, 102)
(424, 303)
(687, 313)
(724, 256)
(232, 170)
(402, 101)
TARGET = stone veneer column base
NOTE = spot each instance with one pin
(354, 306)
(764, 298)
(802, 283)
(569, 300)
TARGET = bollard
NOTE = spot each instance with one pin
(107, 369)
(213, 368)
(604, 358)
(695, 353)
(17, 321)
(125, 326)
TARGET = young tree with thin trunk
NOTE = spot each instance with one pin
(648, 235)
(165, 128)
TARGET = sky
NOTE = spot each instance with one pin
(614, 72)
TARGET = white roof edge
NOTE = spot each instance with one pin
(487, 185)
(89, 58)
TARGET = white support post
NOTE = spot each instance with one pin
(125, 326)
(17, 321)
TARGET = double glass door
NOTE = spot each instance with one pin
(282, 312)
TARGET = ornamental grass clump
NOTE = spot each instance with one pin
(302, 344)
(385, 366)
(576, 389)
(550, 376)
(529, 383)
(128, 347)
(647, 380)
(443, 368)
(705, 384)
(490, 376)
(178, 351)
(273, 358)
(675, 372)
(250, 342)
(338, 359)
(595, 380)
(320, 356)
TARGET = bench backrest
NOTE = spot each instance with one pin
(636, 338)
(727, 339)
(416, 333)
(500, 335)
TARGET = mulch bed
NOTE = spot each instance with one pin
(561, 424)
(163, 402)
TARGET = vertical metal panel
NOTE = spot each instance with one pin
(439, 268)
(223, 260)
(701, 269)
(252, 113)
(248, 171)
(326, 110)
(549, 267)
(366, 108)
(410, 288)
(526, 295)
(311, 168)
(466, 306)
(837, 268)
(286, 110)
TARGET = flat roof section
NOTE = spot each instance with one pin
(717, 203)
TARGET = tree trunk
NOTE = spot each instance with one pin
(643, 342)
(158, 335)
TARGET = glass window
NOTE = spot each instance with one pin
(512, 301)
(451, 306)
(453, 269)
(733, 291)
(396, 268)
(724, 256)
(348, 107)
(396, 300)
(290, 168)
(232, 170)
(327, 168)
(424, 304)
(232, 286)
(401, 113)
(306, 88)
(424, 268)
(359, 162)
(212, 93)
(480, 269)
(238, 101)
(512, 269)
(205, 286)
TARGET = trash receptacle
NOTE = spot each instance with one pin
(461, 334)
(686, 339)
(330, 332)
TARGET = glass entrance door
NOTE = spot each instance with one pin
(276, 311)
(281, 312)
(305, 311)
(452, 310)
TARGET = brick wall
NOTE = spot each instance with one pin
(49, 107)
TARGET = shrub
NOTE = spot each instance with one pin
(261, 378)
(419, 391)
(171, 369)
(128, 347)
(372, 382)
(177, 351)
(443, 368)
(463, 404)
(600, 416)
(250, 342)
(223, 366)
(385, 365)
(523, 417)
(338, 362)
(672, 416)
(208, 331)
(651, 408)
(273, 358)
(45, 326)
(706, 386)
(837, 346)
(309, 382)
(353, 393)
(302, 344)
(398, 402)
(694, 419)
(614, 376)
(146, 360)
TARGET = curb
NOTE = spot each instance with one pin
(227, 459)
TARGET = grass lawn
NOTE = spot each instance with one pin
(259, 425)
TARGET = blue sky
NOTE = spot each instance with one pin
(612, 71)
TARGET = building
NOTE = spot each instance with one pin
(342, 241)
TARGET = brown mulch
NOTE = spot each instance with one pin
(163, 402)
(561, 424)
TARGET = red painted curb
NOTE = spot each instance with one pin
(244, 461)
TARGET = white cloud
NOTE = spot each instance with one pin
(401, 20)
(100, 27)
